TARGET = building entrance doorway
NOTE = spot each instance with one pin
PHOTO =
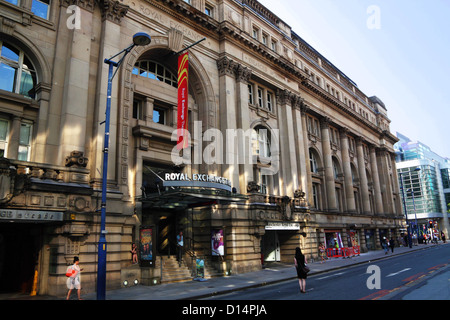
(271, 246)
(19, 256)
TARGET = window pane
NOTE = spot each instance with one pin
(3, 129)
(15, 2)
(25, 130)
(27, 82)
(40, 8)
(10, 53)
(8, 77)
(23, 153)
(159, 115)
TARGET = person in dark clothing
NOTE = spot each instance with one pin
(392, 244)
(300, 262)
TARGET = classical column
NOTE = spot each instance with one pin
(376, 181)
(74, 108)
(348, 181)
(228, 116)
(385, 182)
(110, 44)
(364, 187)
(328, 164)
(43, 91)
(289, 171)
(300, 142)
(245, 151)
(309, 196)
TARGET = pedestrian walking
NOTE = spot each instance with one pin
(300, 264)
(180, 244)
(443, 236)
(392, 244)
(74, 282)
(322, 252)
(384, 244)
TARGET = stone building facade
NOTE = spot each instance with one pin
(322, 166)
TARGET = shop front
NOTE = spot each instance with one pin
(340, 243)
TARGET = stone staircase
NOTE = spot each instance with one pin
(173, 272)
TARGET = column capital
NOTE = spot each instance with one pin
(325, 122)
(226, 66)
(243, 74)
(112, 10)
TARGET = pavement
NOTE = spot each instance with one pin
(436, 288)
(272, 273)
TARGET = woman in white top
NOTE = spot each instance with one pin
(73, 282)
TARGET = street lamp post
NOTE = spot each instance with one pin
(139, 39)
(404, 206)
(415, 213)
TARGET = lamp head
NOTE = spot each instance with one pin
(141, 39)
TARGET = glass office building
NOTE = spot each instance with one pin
(424, 179)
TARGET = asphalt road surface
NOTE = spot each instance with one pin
(393, 278)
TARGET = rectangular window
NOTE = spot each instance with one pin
(208, 10)
(260, 97)
(264, 39)
(274, 46)
(41, 8)
(3, 137)
(138, 110)
(255, 33)
(250, 93)
(159, 115)
(269, 101)
(25, 141)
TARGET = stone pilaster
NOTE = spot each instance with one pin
(328, 165)
(364, 187)
(348, 182)
(376, 182)
(228, 115)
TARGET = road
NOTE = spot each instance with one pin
(394, 278)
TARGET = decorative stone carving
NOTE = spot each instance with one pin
(252, 187)
(76, 158)
(175, 39)
(227, 66)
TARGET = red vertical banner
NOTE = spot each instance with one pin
(183, 68)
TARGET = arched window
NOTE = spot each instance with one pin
(154, 70)
(17, 72)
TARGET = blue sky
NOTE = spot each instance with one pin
(404, 60)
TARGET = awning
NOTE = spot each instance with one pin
(184, 198)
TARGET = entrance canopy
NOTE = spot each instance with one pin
(183, 198)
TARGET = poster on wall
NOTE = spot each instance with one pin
(146, 246)
(217, 245)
